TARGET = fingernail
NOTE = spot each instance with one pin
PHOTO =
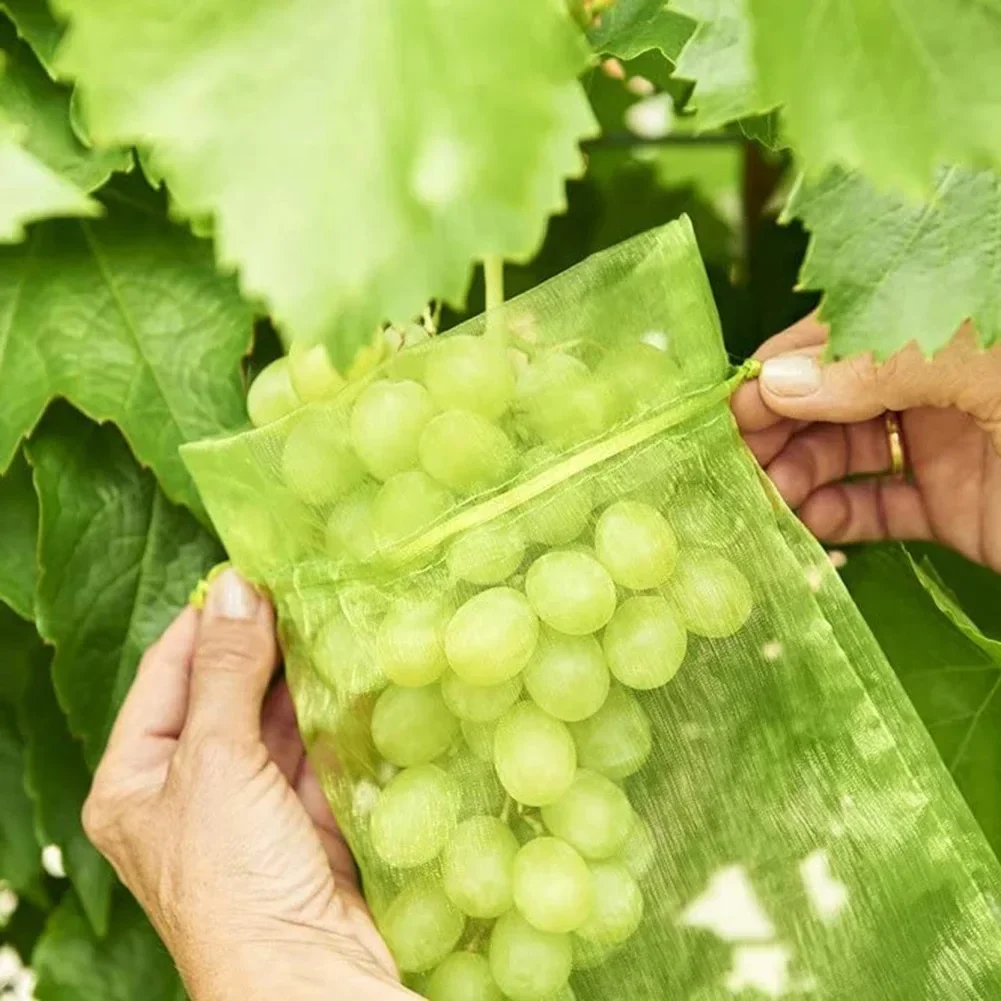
(791, 375)
(231, 597)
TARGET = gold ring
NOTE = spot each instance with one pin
(895, 441)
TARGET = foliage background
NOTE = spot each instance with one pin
(177, 207)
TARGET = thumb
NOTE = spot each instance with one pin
(234, 659)
(799, 385)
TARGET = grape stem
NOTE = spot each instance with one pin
(505, 813)
(493, 278)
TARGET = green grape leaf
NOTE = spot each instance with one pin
(630, 27)
(57, 780)
(118, 562)
(130, 962)
(18, 538)
(363, 171)
(895, 88)
(719, 58)
(129, 320)
(892, 270)
(39, 109)
(18, 646)
(37, 26)
(20, 852)
(951, 671)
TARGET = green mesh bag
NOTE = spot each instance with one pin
(593, 710)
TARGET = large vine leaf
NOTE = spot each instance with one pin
(130, 962)
(129, 320)
(951, 671)
(20, 852)
(630, 27)
(18, 538)
(36, 25)
(895, 88)
(893, 271)
(39, 109)
(357, 157)
(118, 562)
(18, 646)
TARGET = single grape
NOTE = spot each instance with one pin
(645, 643)
(534, 755)
(567, 675)
(587, 955)
(479, 703)
(559, 515)
(488, 554)
(618, 905)
(313, 374)
(593, 815)
(552, 885)
(421, 926)
(636, 545)
(349, 527)
(405, 504)
(386, 425)
(414, 816)
(272, 396)
(700, 520)
(470, 373)
(641, 375)
(411, 641)
(477, 867)
(712, 597)
(344, 661)
(528, 964)
(463, 976)
(465, 452)
(480, 738)
(480, 791)
(571, 591)
(412, 726)
(318, 464)
(640, 849)
(616, 740)
(492, 636)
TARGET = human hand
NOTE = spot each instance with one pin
(813, 425)
(207, 808)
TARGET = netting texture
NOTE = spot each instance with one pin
(593, 710)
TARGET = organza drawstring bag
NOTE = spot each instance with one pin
(595, 714)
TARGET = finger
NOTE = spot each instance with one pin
(310, 793)
(234, 659)
(156, 705)
(805, 333)
(866, 512)
(767, 444)
(280, 731)
(824, 453)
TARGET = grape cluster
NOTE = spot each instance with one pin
(504, 703)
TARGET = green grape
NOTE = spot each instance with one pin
(593, 815)
(645, 643)
(712, 597)
(344, 662)
(313, 375)
(616, 740)
(405, 504)
(571, 591)
(470, 373)
(318, 464)
(587, 955)
(534, 755)
(558, 516)
(478, 865)
(618, 905)
(411, 641)
(465, 452)
(701, 520)
(480, 791)
(528, 964)
(552, 886)
(421, 927)
(567, 675)
(640, 849)
(636, 545)
(463, 976)
(412, 726)
(480, 738)
(414, 816)
(349, 527)
(272, 396)
(641, 376)
(386, 425)
(479, 703)
(488, 554)
(492, 636)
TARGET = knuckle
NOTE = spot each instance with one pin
(101, 816)
(227, 651)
